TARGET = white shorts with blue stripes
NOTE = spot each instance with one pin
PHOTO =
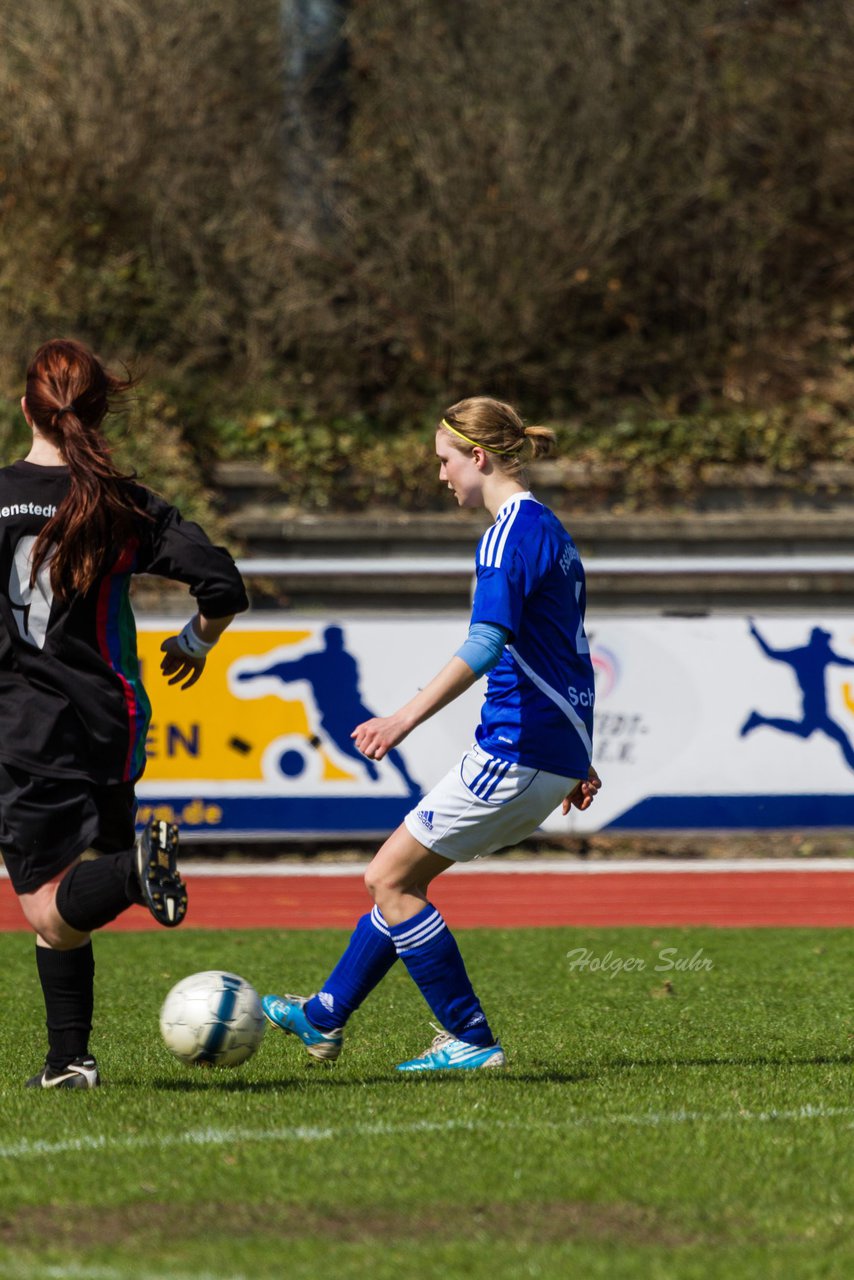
(483, 804)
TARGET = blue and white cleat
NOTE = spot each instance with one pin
(286, 1013)
(447, 1053)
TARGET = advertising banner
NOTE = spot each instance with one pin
(721, 723)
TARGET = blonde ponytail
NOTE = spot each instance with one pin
(496, 427)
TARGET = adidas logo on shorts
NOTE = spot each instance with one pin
(425, 817)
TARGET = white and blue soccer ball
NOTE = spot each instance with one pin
(212, 1019)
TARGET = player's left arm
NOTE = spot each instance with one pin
(840, 661)
(172, 547)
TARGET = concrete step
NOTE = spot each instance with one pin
(276, 529)
(719, 487)
(600, 487)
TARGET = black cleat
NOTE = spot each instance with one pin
(82, 1073)
(163, 890)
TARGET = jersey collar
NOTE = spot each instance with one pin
(511, 501)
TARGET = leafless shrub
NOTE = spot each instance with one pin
(138, 145)
(554, 201)
(585, 199)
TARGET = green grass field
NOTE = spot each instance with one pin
(640, 1131)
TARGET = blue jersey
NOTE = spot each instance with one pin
(539, 699)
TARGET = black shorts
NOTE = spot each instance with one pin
(46, 822)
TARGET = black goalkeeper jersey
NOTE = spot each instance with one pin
(72, 703)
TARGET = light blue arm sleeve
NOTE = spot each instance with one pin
(483, 646)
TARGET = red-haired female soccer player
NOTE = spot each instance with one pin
(532, 751)
(73, 710)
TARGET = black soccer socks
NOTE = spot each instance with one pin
(94, 892)
(68, 984)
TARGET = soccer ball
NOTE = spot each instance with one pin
(212, 1019)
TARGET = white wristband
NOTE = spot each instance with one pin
(191, 644)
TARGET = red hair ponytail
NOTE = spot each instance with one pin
(69, 393)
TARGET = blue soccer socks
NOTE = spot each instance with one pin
(369, 956)
(429, 950)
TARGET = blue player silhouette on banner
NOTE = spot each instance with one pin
(333, 675)
(809, 664)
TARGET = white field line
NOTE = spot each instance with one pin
(524, 867)
(213, 1137)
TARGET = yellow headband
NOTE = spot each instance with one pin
(476, 443)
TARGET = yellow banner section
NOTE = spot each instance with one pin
(210, 733)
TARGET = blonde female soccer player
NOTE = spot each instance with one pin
(73, 711)
(532, 748)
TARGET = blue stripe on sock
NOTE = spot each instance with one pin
(433, 926)
(378, 922)
(405, 937)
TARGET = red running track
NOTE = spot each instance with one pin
(485, 899)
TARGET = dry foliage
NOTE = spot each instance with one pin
(560, 202)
